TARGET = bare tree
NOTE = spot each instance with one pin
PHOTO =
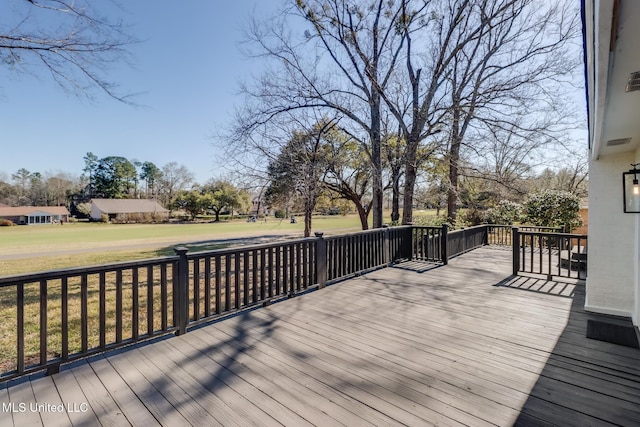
(464, 56)
(174, 178)
(339, 65)
(73, 42)
(509, 76)
(300, 167)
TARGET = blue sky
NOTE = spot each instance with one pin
(187, 70)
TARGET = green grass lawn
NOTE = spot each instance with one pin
(43, 247)
(47, 247)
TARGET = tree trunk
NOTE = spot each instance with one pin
(395, 197)
(454, 158)
(410, 175)
(376, 159)
(309, 205)
(364, 216)
(452, 195)
(307, 223)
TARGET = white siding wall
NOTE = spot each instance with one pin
(613, 238)
(96, 214)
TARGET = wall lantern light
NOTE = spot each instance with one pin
(631, 189)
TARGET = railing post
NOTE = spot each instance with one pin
(181, 306)
(321, 260)
(411, 243)
(386, 246)
(464, 239)
(444, 244)
(515, 243)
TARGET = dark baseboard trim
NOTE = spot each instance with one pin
(613, 330)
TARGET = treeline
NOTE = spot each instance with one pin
(327, 164)
(115, 177)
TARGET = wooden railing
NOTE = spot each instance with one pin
(466, 239)
(549, 253)
(501, 234)
(228, 280)
(354, 253)
(429, 243)
(58, 316)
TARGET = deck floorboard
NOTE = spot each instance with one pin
(414, 344)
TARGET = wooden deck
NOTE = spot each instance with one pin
(463, 344)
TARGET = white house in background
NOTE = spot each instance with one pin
(115, 207)
(612, 51)
(29, 215)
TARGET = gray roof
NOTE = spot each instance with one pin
(116, 206)
(28, 210)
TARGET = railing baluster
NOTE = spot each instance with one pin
(207, 286)
(278, 254)
(541, 246)
(292, 255)
(150, 311)
(103, 309)
(227, 282)
(285, 269)
(263, 279)
(299, 275)
(245, 277)
(321, 260)
(254, 277)
(196, 289)
(64, 294)
(218, 284)
(164, 297)
(271, 271)
(135, 304)
(305, 264)
(20, 326)
(84, 312)
(119, 306)
(237, 289)
(43, 322)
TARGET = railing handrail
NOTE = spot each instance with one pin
(472, 228)
(75, 271)
(362, 232)
(547, 234)
(259, 246)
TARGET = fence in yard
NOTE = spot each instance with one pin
(58, 316)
